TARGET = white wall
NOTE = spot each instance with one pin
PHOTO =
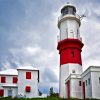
(23, 82)
(88, 87)
(75, 89)
(77, 67)
(65, 71)
(92, 90)
(95, 84)
(67, 27)
(9, 80)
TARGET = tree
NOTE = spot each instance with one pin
(39, 92)
(51, 92)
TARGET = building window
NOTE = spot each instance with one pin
(89, 81)
(86, 82)
(99, 80)
(28, 88)
(80, 83)
(3, 79)
(15, 79)
(28, 75)
(73, 71)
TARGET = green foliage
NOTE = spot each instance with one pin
(48, 98)
(51, 92)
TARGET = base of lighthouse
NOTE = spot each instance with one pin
(65, 71)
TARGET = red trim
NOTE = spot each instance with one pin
(84, 90)
(28, 88)
(1, 92)
(3, 79)
(68, 89)
(15, 79)
(28, 75)
(69, 43)
(70, 51)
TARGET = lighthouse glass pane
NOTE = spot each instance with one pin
(65, 11)
(70, 10)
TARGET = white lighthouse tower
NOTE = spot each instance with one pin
(69, 46)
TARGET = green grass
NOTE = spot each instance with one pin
(48, 98)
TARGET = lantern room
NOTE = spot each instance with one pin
(68, 9)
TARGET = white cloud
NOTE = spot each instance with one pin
(32, 50)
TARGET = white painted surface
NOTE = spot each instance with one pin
(27, 68)
(92, 89)
(69, 29)
(65, 71)
(9, 80)
(88, 87)
(9, 72)
(23, 82)
(95, 84)
(76, 90)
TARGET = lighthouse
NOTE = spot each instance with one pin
(69, 46)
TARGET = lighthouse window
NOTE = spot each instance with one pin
(70, 10)
(72, 53)
(65, 11)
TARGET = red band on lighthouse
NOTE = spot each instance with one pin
(70, 51)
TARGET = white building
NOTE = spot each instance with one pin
(91, 82)
(21, 82)
(74, 83)
(8, 83)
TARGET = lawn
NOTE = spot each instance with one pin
(48, 98)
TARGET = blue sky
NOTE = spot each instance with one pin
(28, 36)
